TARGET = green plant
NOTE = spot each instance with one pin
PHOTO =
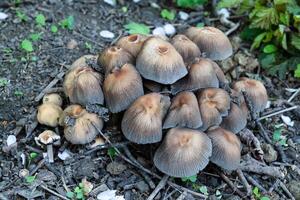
(53, 28)
(274, 29)
(40, 20)
(68, 23)
(30, 179)
(168, 14)
(26, 45)
(22, 16)
(78, 192)
(112, 152)
(278, 137)
(257, 194)
(35, 36)
(18, 93)
(191, 179)
(190, 3)
(137, 28)
(3, 82)
(88, 46)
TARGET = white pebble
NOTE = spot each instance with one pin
(45, 155)
(107, 34)
(3, 16)
(169, 29)
(136, 1)
(111, 2)
(287, 120)
(11, 139)
(109, 195)
(268, 104)
(23, 157)
(183, 15)
(159, 31)
(63, 155)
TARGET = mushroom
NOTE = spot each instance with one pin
(255, 91)
(211, 41)
(159, 61)
(142, 121)
(201, 75)
(184, 152)
(183, 112)
(49, 114)
(186, 48)
(214, 104)
(132, 43)
(219, 72)
(48, 138)
(86, 125)
(114, 56)
(226, 148)
(53, 98)
(83, 86)
(82, 61)
(122, 87)
(236, 119)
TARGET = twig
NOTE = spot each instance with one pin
(182, 196)
(275, 185)
(284, 188)
(232, 29)
(278, 112)
(244, 181)
(105, 146)
(160, 185)
(249, 138)
(53, 192)
(294, 95)
(231, 184)
(39, 165)
(255, 183)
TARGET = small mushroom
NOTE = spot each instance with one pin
(132, 43)
(53, 98)
(114, 56)
(49, 114)
(122, 87)
(183, 112)
(82, 61)
(211, 41)
(184, 152)
(142, 121)
(83, 86)
(255, 90)
(48, 138)
(186, 48)
(201, 75)
(226, 148)
(236, 119)
(159, 61)
(214, 104)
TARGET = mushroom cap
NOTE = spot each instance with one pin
(49, 114)
(219, 72)
(214, 103)
(47, 137)
(114, 56)
(132, 43)
(142, 121)
(53, 98)
(83, 86)
(186, 48)
(184, 152)
(211, 41)
(226, 148)
(73, 111)
(236, 119)
(122, 87)
(201, 75)
(81, 62)
(255, 90)
(183, 112)
(159, 61)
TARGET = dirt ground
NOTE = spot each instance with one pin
(24, 75)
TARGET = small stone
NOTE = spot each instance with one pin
(159, 31)
(142, 186)
(169, 29)
(23, 173)
(72, 44)
(3, 16)
(11, 139)
(115, 168)
(109, 195)
(107, 34)
(63, 155)
(183, 15)
(136, 1)
(270, 155)
(294, 187)
(287, 120)
(111, 2)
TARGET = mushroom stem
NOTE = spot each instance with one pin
(50, 153)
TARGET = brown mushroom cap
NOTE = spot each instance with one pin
(226, 148)
(201, 75)
(81, 62)
(159, 61)
(236, 119)
(214, 103)
(73, 111)
(47, 137)
(83, 85)
(256, 92)
(132, 43)
(142, 121)
(183, 112)
(186, 48)
(184, 152)
(53, 98)
(49, 114)
(219, 72)
(211, 41)
(122, 87)
(113, 57)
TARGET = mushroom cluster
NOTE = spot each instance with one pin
(169, 90)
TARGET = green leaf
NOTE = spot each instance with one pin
(284, 42)
(79, 195)
(265, 198)
(19, 93)
(267, 60)
(33, 155)
(270, 48)
(112, 152)
(77, 189)
(68, 23)
(218, 194)
(88, 45)
(200, 25)
(258, 39)
(190, 3)
(22, 16)
(167, 14)
(256, 193)
(70, 195)
(229, 3)
(265, 18)
(137, 28)
(277, 134)
(124, 9)
(26, 45)
(30, 179)
(35, 36)
(192, 179)
(296, 41)
(3, 82)
(54, 28)
(249, 34)
(203, 190)
(40, 20)
(297, 72)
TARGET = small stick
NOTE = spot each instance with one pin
(39, 165)
(278, 112)
(284, 188)
(182, 196)
(294, 95)
(53, 192)
(264, 170)
(230, 183)
(247, 136)
(160, 185)
(275, 185)
(232, 29)
(244, 181)
(255, 183)
(30, 148)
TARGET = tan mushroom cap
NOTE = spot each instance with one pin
(53, 98)
(83, 86)
(122, 87)
(211, 41)
(47, 137)
(74, 111)
(201, 75)
(114, 56)
(186, 48)
(142, 121)
(255, 90)
(82, 61)
(183, 112)
(219, 72)
(49, 114)
(214, 103)
(184, 152)
(236, 119)
(159, 61)
(132, 43)
(226, 148)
